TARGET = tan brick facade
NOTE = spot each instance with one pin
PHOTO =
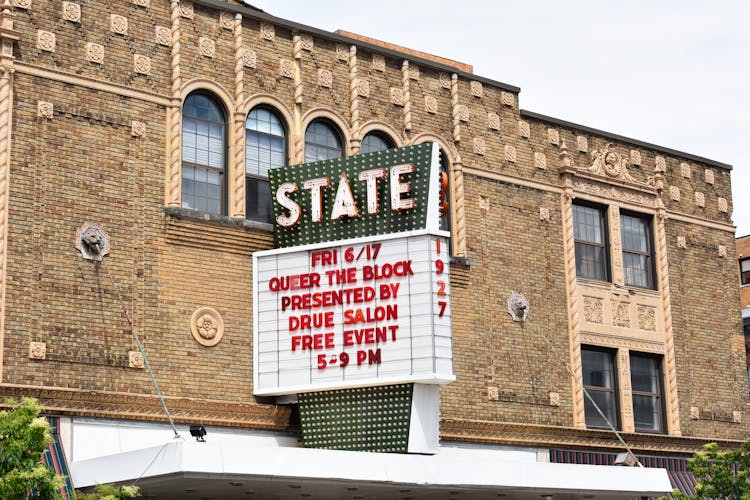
(95, 137)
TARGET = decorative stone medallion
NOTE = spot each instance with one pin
(709, 176)
(479, 146)
(71, 12)
(118, 24)
(141, 64)
(135, 359)
(507, 98)
(286, 68)
(476, 89)
(553, 136)
(583, 144)
(325, 78)
(363, 87)
(306, 41)
(142, 3)
(430, 104)
(493, 121)
(540, 161)
(660, 164)
(45, 40)
(695, 413)
(378, 62)
(22, 4)
(163, 35)
(518, 307)
(722, 250)
(267, 31)
(463, 112)
(674, 193)
(510, 153)
(700, 199)
(37, 350)
(445, 80)
(493, 394)
(544, 214)
(723, 205)
(207, 46)
(186, 9)
(137, 129)
(92, 241)
(524, 129)
(207, 326)
(342, 52)
(44, 109)
(681, 242)
(635, 157)
(413, 72)
(226, 20)
(554, 399)
(249, 58)
(397, 96)
(685, 169)
(94, 53)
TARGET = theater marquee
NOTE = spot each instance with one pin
(362, 311)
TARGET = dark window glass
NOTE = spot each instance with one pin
(637, 251)
(373, 142)
(445, 219)
(322, 142)
(265, 148)
(645, 377)
(203, 154)
(590, 242)
(745, 271)
(599, 381)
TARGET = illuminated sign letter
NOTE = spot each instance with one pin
(288, 203)
(372, 176)
(398, 188)
(314, 186)
(344, 202)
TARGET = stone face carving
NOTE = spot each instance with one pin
(510, 153)
(593, 310)
(540, 161)
(647, 318)
(608, 162)
(378, 62)
(518, 307)
(137, 129)
(700, 199)
(135, 359)
(342, 52)
(118, 24)
(430, 104)
(709, 176)
(226, 20)
(94, 52)
(267, 31)
(207, 326)
(325, 78)
(37, 350)
(163, 35)
(723, 206)
(544, 214)
(463, 112)
(45, 40)
(674, 193)
(445, 80)
(635, 157)
(582, 143)
(92, 241)
(685, 170)
(620, 314)
(507, 98)
(524, 129)
(476, 89)
(207, 46)
(397, 96)
(479, 146)
(249, 58)
(286, 68)
(493, 121)
(141, 64)
(363, 87)
(186, 9)
(71, 12)
(44, 109)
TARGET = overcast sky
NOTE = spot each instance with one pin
(672, 73)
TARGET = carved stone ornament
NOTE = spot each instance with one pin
(445, 80)
(163, 35)
(306, 42)
(723, 205)
(493, 121)
(493, 394)
(674, 193)
(135, 359)
(709, 176)
(613, 192)
(507, 98)
(207, 326)
(463, 112)
(593, 310)
(142, 3)
(554, 136)
(540, 161)
(92, 241)
(44, 109)
(660, 164)
(137, 129)
(510, 153)
(226, 20)
(267, 31)
(430, 104)
(608, 162)
(286, 68)
(413, 72)
(647, 318)
(45, 40)
(186, 9)
(554, 399)
(635, 157)
(544, 214)
(479, 146)
(722, 250)
(484, 203)
(342, 52)
(363, 87)
(695, 413)
(206, 46)
(737, 417)
(397, 96)
(94, 53)
(685, 170)
(700, 199)
(22, 4)
(476, 89)
(249, 58)
(518, 307)
(141, 64)
(681, 242)
(378, 62)
(524, 129)
(118, 24)
(325, 78)
(582, 143)
(37, 350)
(71, 12)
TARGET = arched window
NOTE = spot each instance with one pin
(265, 148)
(322, 141)
(204, 147)
(375, 141)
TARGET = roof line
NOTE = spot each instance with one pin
(247, 11)
(617, 137)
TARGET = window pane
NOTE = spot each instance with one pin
(322, 142)
(646, 413)
(373, 142)
(590, 261)
(599, 382)
(635, 233)
(605, 401)
(637, 269)
(597, 368)
(588, 224)
(644, 374)
(258, 200)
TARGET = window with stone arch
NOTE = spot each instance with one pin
(323, 141)
(265, 148)
(375, 141)
(204, 153)
(445, 192)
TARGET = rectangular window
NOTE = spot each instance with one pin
(590, 233)
(745, 271)
(600, 382)
(637, 251)
(645, 379)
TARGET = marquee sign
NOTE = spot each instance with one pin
(363, 296)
